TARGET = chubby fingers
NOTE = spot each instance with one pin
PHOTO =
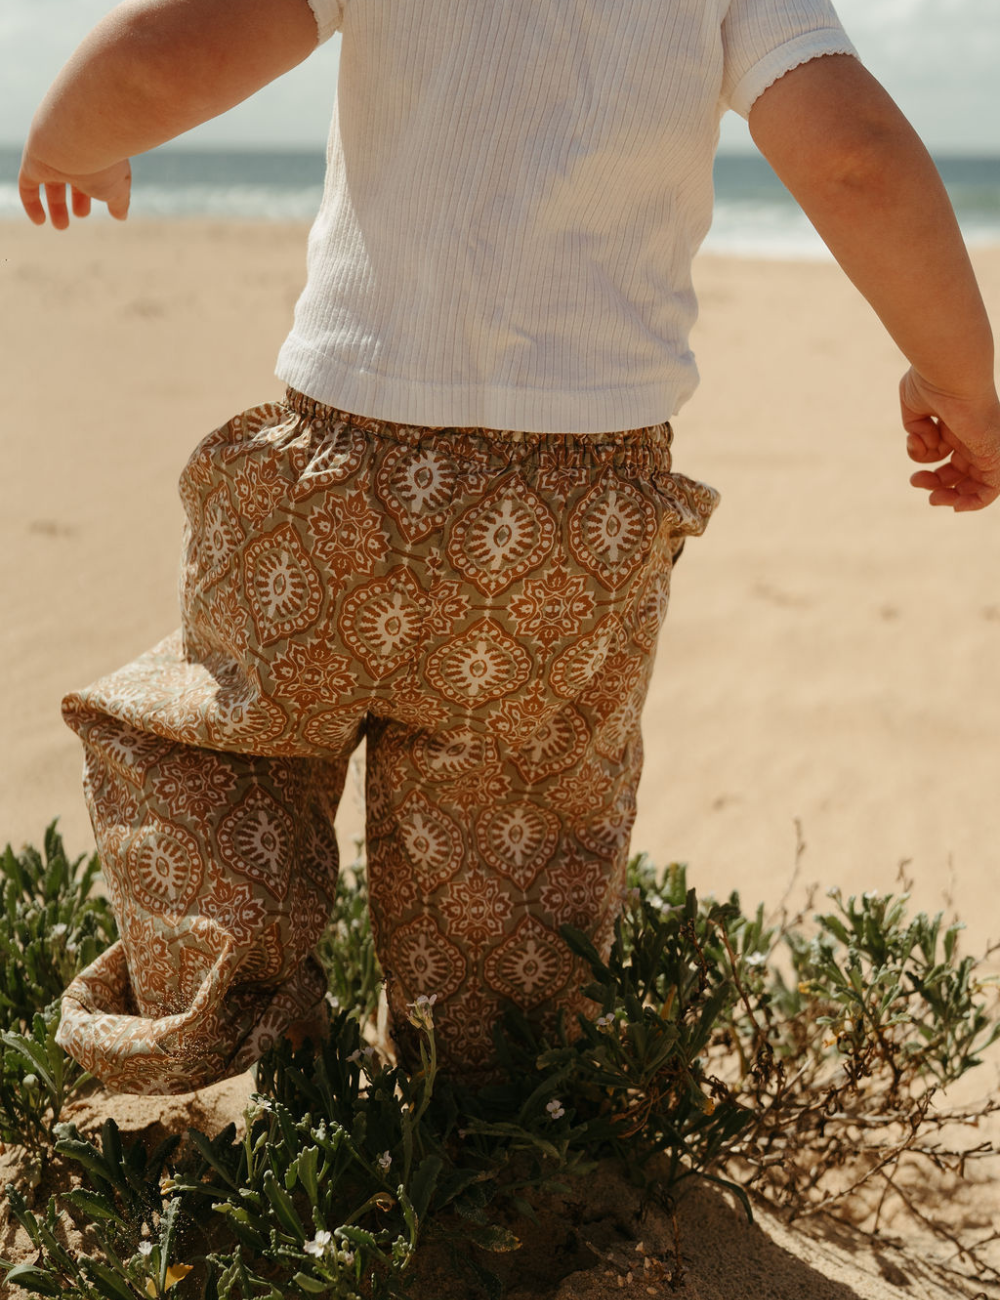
(925, 439)
(29, 188)
(30, 192)
(41, 187)
(120, 195)
(80, 203)
(55, 196)
(957, 483)
(955, 486)
(927, 446)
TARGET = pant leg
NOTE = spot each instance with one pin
(500, 803)
(221, 869)
(479, 853)
(214, 764)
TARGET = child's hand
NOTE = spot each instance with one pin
(964, 432)
(149, 71)
(112, 186)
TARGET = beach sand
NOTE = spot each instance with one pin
(830, 657)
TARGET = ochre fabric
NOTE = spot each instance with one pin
(483, 606)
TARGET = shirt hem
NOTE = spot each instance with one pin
(605, 410)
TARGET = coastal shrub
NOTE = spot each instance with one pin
(36, 1080)
(791, 1059)
(879, 1014)
(347, 949)
(51, 926)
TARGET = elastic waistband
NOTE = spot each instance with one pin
(645, 450)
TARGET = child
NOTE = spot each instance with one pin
(455, 537)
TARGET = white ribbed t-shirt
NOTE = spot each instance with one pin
(515, 191)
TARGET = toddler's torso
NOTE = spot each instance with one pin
(514, 196)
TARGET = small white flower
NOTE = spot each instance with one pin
(346, 1258)
(319, 1244)
(421, 1012)
(555, 1108)
(258, 1106)
(384, 1161)
(145, 1248)
(606, 1021)
(58, 931)
(755, 959)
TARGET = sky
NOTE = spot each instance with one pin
(939, 59)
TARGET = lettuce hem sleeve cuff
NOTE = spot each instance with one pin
(329, 15)
(803, 49)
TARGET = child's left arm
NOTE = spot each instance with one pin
(149, 71)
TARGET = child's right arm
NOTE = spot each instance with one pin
(150, 70)
(862, 176)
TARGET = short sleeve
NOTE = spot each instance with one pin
(764, 39)
(329, 15)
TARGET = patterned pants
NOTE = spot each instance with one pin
(483, 606)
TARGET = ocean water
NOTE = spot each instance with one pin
(754, 214)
